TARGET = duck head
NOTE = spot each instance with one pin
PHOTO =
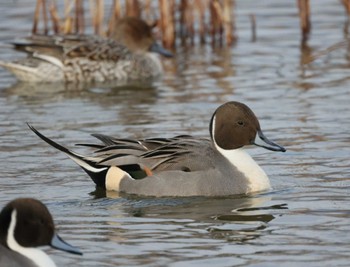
(234, 125)
(26, 222)
(137, 35)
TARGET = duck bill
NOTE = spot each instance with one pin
(262, 141)
(157, 48)
(58, 243)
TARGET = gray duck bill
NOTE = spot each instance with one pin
(262, 141)
(58, 243)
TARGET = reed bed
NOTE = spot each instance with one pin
(184, 20)
(177, 21)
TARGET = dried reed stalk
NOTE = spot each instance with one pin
(167, 23)
(305, 24)
(228, 19)
(68, 20)
(182, 10)
(55, 20)
(189, 21)
(79, 17)
(216, 21)
(97, 14)
(42, 4)
(214, 17)
(36, 16)
(46, 21)
(115, 15)
(253, 26)
(346, 4)
(201, 6)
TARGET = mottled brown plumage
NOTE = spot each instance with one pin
(125, 56)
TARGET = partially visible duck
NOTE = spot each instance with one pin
(25, 224)
(128, 55)
(182, 165)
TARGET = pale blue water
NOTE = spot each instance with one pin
(304, 220)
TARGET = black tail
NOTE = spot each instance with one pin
(96, 171)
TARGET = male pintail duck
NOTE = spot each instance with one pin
(26, 223)
(126, 56)
(182, 165)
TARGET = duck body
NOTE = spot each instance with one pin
(128, 55)
(182, 165)
(25, 224)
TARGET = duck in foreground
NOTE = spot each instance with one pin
(128, 55)
(25, 224)
(182, 165)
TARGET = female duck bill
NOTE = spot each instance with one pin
(262, 141)
(157, 48)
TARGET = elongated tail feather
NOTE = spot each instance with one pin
(95, 171)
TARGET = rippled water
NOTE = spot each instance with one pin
(303, 220)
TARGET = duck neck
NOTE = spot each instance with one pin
(244, 163)
(40, 258)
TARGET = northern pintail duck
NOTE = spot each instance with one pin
(182, 165)
(128, 55)
(25, 224)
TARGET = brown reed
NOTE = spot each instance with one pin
(212, 20)
(40, 4)
(346, 4)
(305, 24)
(97, 14)
(253, 26)
(79, 22)
(200, 7)
(193, 20)
(55, 20)
(228, 20)
(166, 22)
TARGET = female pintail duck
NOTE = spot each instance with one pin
(126, 56)
(182, 165)
(25, 224)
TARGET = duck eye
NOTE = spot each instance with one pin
(241, 123)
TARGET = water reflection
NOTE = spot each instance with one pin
(234, 208)
(234, 219)
(130, 100)
(46, 91)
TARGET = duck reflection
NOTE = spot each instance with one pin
(46, 92)
(237, 218)
(95, 99)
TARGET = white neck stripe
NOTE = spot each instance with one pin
(213, 129)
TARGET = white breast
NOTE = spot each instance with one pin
(257, 179)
